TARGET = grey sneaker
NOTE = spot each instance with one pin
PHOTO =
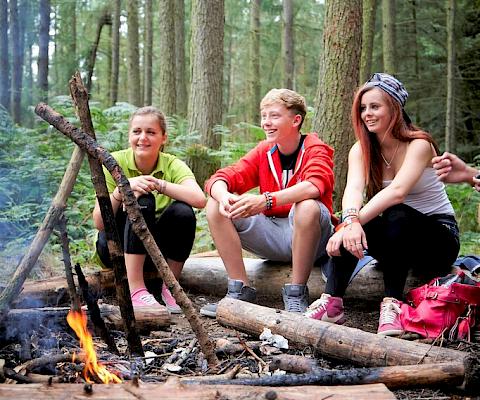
(295, 298)
(236, 290)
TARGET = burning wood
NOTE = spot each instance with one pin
(78, 322)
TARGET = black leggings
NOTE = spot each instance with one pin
(399, 239)
(173, 231)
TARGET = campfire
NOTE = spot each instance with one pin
(93, 371)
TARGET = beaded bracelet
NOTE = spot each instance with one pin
(270, 200)
(349, 212)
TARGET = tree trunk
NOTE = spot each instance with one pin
(67, 44)
(104, 19)
(115, 52)
(174, 389)
(148, 50)
(254, 75)
(181, 96)
(416, 65)
(450, 114)
(388, 36)
(368, 34)
(205, 105)
(166, 63)
(338, 79)
(30, 39)
(4, 59)
(331, 340)
(17, 16)
(133, 54)
(287, 45)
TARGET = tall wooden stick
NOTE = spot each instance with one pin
(12, 290)
(138, 223)
(80, 97)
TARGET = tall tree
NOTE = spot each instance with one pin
(67, 43)
(288, 44)
(104, 19)
(204, 108)
(134, 88)
(166, 64)
(254, 76)
(388, 36)
(368, 34)
(4, 59)
(148, 51)
(43, 41)
(413, 46)
(115, 51)
(450, 114)
(180, 68)
(17, 15)
(338, 78)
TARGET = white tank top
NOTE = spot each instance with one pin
(428, 195)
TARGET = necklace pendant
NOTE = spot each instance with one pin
(389, 166)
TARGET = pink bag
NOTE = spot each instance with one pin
(442, 306)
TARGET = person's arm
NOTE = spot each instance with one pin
(355, 240)
(418, 157)
(451, 169)
(187, 191)
(115, 199)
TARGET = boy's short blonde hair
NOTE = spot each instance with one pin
(289, 98)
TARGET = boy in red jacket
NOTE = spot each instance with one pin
(290, 220)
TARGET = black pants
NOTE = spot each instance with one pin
(173, 231)
(399, 239)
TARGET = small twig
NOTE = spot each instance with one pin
(184, 355)
(249, 350)
(226, 376)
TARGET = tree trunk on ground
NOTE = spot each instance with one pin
(80, 98)
(17, 16)
(180, 67)
(287, 45)
(205, 105)
(338, 79)
(254, 73)
(450, 114)
(138, 222)
(368, 34)
(4, 59)
(115, 52)
(331, 340)
(388, 37)
(105, 19)
(133, 54)
(174, 389)
(166, 64)
(148, 50)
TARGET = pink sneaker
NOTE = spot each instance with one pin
(390, 323)
(327, 308)
(142, 298)
(169, 300)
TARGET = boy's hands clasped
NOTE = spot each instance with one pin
(246, 205)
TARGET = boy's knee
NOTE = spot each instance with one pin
(212, 209)
(306, 211)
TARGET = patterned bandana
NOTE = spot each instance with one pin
(390, 85)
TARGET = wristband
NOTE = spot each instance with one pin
(163, 185)
(113, 195)
(348, 221)
(270, 200)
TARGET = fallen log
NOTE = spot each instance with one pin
(406, 376)
(173, 389)
(24, 320)
(207, 275)
(331, 340)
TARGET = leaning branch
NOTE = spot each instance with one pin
(138, 223)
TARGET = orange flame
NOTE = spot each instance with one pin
(78, 322)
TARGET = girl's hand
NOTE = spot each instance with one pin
(354, 239)
(143, 184)
(334, 243)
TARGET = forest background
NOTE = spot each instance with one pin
(206, 64)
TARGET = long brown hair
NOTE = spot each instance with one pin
(398, 127)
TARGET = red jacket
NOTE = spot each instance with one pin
(261, 167)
